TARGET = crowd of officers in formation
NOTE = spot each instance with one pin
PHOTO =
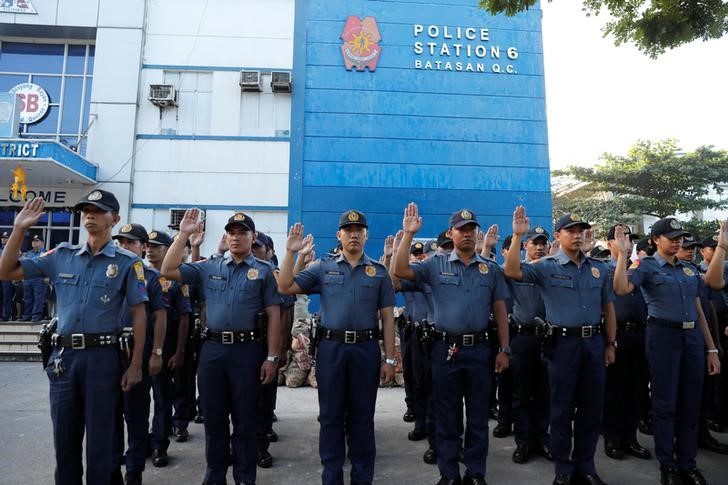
(577, 345)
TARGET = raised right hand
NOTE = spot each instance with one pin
(189, 222)
(412, 222)
(295, 238)
(30, 214)
(622, 241)
(521, 224)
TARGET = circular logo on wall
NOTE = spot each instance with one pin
(34, 102)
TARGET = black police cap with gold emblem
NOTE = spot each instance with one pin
(240, 219)
(668, 227)
(135, 232)
(443, 239)
(352, 217)
(710, 242)
(537, 232)
(5, 235)
(690, 242)
(417, 248)
(461, 218)
(160, 238)
(627, 232)
(570, 220)
(102, 199)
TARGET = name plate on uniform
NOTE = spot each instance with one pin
(688, 325)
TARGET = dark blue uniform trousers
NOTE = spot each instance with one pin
(467, 376)
(677, 367)
(229, 379)
(348, 381)
(530, 391)
(34, 295)
(8, 290)
(84, 397)
(415, 377)
(626, 380)
(162, 393)
(133, 410)
(576, 374)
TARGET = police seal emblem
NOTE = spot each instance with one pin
(153, 235)
(574, 217)
(483, 268)
(688, 271)
(252, 274)
(595, 272)
(125, 228)
(675, 224)
(239, 217)
(112, 271)
(352, 216)
(539, 230)
(95, 195)
(465, 214)
(370, 271)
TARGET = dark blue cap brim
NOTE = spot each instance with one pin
(101, 206)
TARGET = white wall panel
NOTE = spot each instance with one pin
(225, 108)
(126, 13)
(219, 51)
(78, 12)
(116, 65)
(111, 140)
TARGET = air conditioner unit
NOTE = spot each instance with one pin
(280, 81)
(176, 215)
(163, 95)
(250, 81)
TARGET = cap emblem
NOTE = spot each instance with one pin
(675, 224)
(574, 217)
(95, 195)
(153, 235)
(352, 216)
(465, 214)
(539, 230)
(126, 228)
(239, 217)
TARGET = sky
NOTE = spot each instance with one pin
(602, 98)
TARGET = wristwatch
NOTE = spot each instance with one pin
(712, 351)
(613, 343)
(392, 362)
(272, 358)
(506, 350)
(158, 351)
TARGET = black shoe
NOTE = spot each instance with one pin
(562, 479)
(542, 450)
(449, 481)
(275, 418)
(264, 459)
(709, 443)
(181, 435)
(199, 418)
(133, 479)
(409, 416)
(613, 450)
(159, 458)
(493, 413)
(461, 454)
(670, 476)
(645, 427)
(116, 478)
(717, 427)
(430, 457)
(521, 454)
(468, 480)
(693, 477)
(588, 479)
(502, 430)
(271, 436)
(417, 434)
(638, 451)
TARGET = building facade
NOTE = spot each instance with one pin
(286, 110)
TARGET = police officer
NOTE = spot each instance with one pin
(7, 290)
(576, 292)
(628, 376)
(135, 404)
(92, 282)
(530, 374)
(677, 338)
(353, 288)
(34, 289)
(465, 288)
(241, 296)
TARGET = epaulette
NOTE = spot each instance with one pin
(66, 245)
(126, 253)
(266, 263)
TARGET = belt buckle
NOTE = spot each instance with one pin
(349, 336)
(587, 331)
(688, 325)
(78, 341)
(468, 340)
(228, 337)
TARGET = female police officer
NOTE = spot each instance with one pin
(676, 339)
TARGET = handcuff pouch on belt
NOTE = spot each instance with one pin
(314, 335)
(424, 331)
(126, 342)
(44, 340)
(547, 341)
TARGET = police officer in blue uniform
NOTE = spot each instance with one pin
(677, 339)
(135, 404)
(530, 374)
(576, 292)
(35, 290)
(628, 376)
(243, 322)
(355, 292)
(465, 289)
(7, 290)
(92, 282)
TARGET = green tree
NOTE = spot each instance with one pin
(652, 25)
(655, 179)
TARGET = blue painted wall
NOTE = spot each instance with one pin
(443, 139)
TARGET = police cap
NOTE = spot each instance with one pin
(240, 219)
(461, 218)
(135, 232)
(690, 242)
(160, 238)
(443, 240)
(261, 239)
(38, 237)
(102, 199)
(536, 233)
(668, 227)
(708, 242)
(570, 220)
(5, 235)
(352, 218)
(417, 248)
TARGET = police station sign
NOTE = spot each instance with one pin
(461, 49)
(34, 102)
(17, 6)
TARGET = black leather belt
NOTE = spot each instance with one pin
(659, 322)
(533, 329)
(630, 326)
(233, 336)
(585, 331)
(350, 336)
(80, 341)
(465, 339)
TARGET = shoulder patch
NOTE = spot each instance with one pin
(49, 252)
(139, 270)
(185, 290)
(635, 264)
(165, 284)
